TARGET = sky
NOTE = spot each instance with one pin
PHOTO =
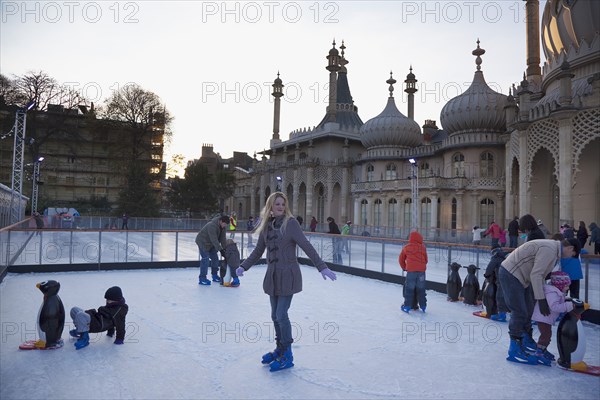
(351, 341)
(213, 63)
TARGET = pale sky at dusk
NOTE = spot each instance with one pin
(212, 63)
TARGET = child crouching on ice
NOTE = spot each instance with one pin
(108, 318)
(555, 296)
(232, 261)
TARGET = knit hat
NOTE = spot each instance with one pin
(560, 280)
(114, 293)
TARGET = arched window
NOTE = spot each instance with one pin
(458, 164)
(370, 173)
(407, 213)
(392, 212)
(321, 203)
(486, 212)
(363, 211)
(486, 165)
(453, 216)
(377, 210)
(425, 212)
(390, 172)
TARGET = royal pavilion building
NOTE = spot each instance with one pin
(494, 156)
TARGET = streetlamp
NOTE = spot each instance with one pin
(36, 183)
(279, 184)
(414, 185)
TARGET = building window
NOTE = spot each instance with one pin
(458, 164)
(486, 165)
(390, 172)
(392, 212)
(426, 212)
(377, 212)
(424, 170)
(370, 173)
(363, 211)
(408, 213)
(453, 216)
(486, 212)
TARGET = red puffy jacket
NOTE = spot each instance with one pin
(413, 257)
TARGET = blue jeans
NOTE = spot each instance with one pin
(519, 301)
(207, 258)
(513, 241)
(279, 314)
(415, 282)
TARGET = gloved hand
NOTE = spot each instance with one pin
(118, 341)
(544, 307)
(222, 251)
(240, 271)
(327, 273)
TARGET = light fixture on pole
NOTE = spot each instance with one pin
(36, 183)
(279, 184)
(414, 185)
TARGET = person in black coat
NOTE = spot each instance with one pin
(529, 225)
(513, 233)
(582, 234)
(335, 230)
(107, 319)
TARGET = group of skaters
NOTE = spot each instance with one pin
(532, 283)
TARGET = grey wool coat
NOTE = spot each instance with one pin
(211, 235)
(283, 276)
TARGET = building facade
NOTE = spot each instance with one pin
(497, 156)
(84, 156)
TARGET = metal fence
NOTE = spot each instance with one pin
(20, 248)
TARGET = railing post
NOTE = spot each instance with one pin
(126, 244)
(382, 257)
(41, 243)
(587, 277)
(8, 249)
(449, 261)
(176, 246)
(71, 248)
(152, 247)
(99, 249)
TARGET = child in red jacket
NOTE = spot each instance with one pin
(413, 260)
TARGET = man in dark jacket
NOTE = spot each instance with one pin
(335, 230)
(513, 233)
(210, 241)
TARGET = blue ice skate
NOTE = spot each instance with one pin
(516, 353)
(284, 361)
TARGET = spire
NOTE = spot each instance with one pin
(411, 88)
(478, 52)
(343, 61)
(391, 82)
(278, 94)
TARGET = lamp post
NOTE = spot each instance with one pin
(414, 185)
(36, 183)
(279, 184)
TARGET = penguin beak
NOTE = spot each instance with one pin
(38, 285)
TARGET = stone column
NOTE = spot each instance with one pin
(565, 167)
(523, 178)
(459, 210)
(309, 193)
(344, 196)
(296, 189)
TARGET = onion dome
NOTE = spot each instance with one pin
(478, 109)
(567, 23)
(391, 128)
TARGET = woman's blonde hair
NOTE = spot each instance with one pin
(266, 213)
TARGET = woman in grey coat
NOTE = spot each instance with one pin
(279, 234)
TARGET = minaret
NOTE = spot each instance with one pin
(532, 14)
(411, 89)
(278, 94)
(333, 66)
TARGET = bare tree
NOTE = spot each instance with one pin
(9, 92)
(45, 90)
